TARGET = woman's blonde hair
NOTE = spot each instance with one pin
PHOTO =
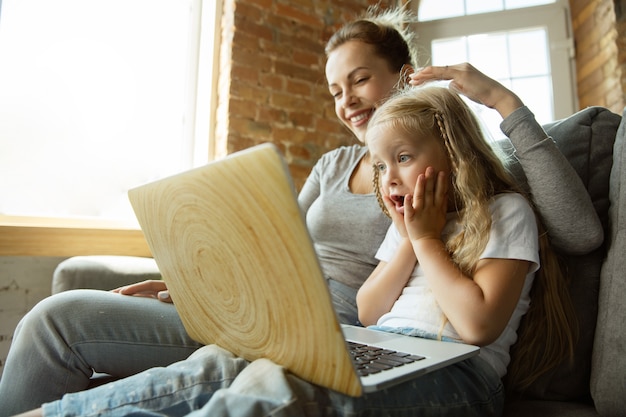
(547, 333)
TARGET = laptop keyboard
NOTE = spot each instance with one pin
(372, 359)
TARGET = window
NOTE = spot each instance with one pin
(520, 43)
(100, 96)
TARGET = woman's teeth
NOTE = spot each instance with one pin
(359, 117)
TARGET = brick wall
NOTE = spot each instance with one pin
(272, 85)
(600, 36)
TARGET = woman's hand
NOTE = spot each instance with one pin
(149, 288)
(425, 210)
(473, 84)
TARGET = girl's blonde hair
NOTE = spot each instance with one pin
(547, 332)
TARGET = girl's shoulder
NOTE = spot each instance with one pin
(512, 204)
(509, 198)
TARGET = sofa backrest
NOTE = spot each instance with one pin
(586, 139)
(608, 371)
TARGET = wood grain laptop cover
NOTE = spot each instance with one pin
(231, 244)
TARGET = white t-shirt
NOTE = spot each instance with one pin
(513, 235)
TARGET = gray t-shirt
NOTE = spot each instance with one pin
(346, 228)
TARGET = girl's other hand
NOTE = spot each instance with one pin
(149, 289)
(467, 80)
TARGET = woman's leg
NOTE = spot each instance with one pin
(66, 337)
(212, 382)
(344, 302)
(175, 390)
(467, 389)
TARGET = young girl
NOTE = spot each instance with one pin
(459, 261)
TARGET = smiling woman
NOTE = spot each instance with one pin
(97, 97)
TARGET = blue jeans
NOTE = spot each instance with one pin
(59, 343)
(63, 339)
(212, 382)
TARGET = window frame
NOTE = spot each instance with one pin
(555, 18)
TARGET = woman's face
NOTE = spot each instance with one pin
(358, 80)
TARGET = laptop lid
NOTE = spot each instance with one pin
(233, 248)
(231, 244)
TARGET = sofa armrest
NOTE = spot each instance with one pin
(608, 372)
(102, 272)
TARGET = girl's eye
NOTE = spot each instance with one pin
(403, 158)
(379, 167)
(361, 80)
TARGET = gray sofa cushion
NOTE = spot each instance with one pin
(102, 272)
(608, 376)
(586, 139)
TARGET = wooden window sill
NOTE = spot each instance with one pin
(38, 236)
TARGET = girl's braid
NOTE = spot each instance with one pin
(379, 195)
(446, 140)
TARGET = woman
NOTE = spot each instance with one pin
(67, 336)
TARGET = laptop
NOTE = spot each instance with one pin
(232, 246)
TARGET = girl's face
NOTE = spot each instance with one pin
(358, 80)
(401, 158)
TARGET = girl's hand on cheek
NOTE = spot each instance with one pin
(425, 211)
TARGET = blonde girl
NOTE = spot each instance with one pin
(461, 260)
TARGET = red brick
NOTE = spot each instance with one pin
(263, 4)
(252, 94)
(261, 31)
(299, 87)
(243, 108)
(307, 58)
(298, 15)
(272, 81)
(250, 128)
(251, 11)
(272, 115)
(242, 73)
(302, 119)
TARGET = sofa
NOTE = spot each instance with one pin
(595, 385)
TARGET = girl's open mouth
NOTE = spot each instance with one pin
(398, 200)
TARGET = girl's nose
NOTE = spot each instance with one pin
(390, 178)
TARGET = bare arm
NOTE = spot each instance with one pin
(383, 287)
(480, 306)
